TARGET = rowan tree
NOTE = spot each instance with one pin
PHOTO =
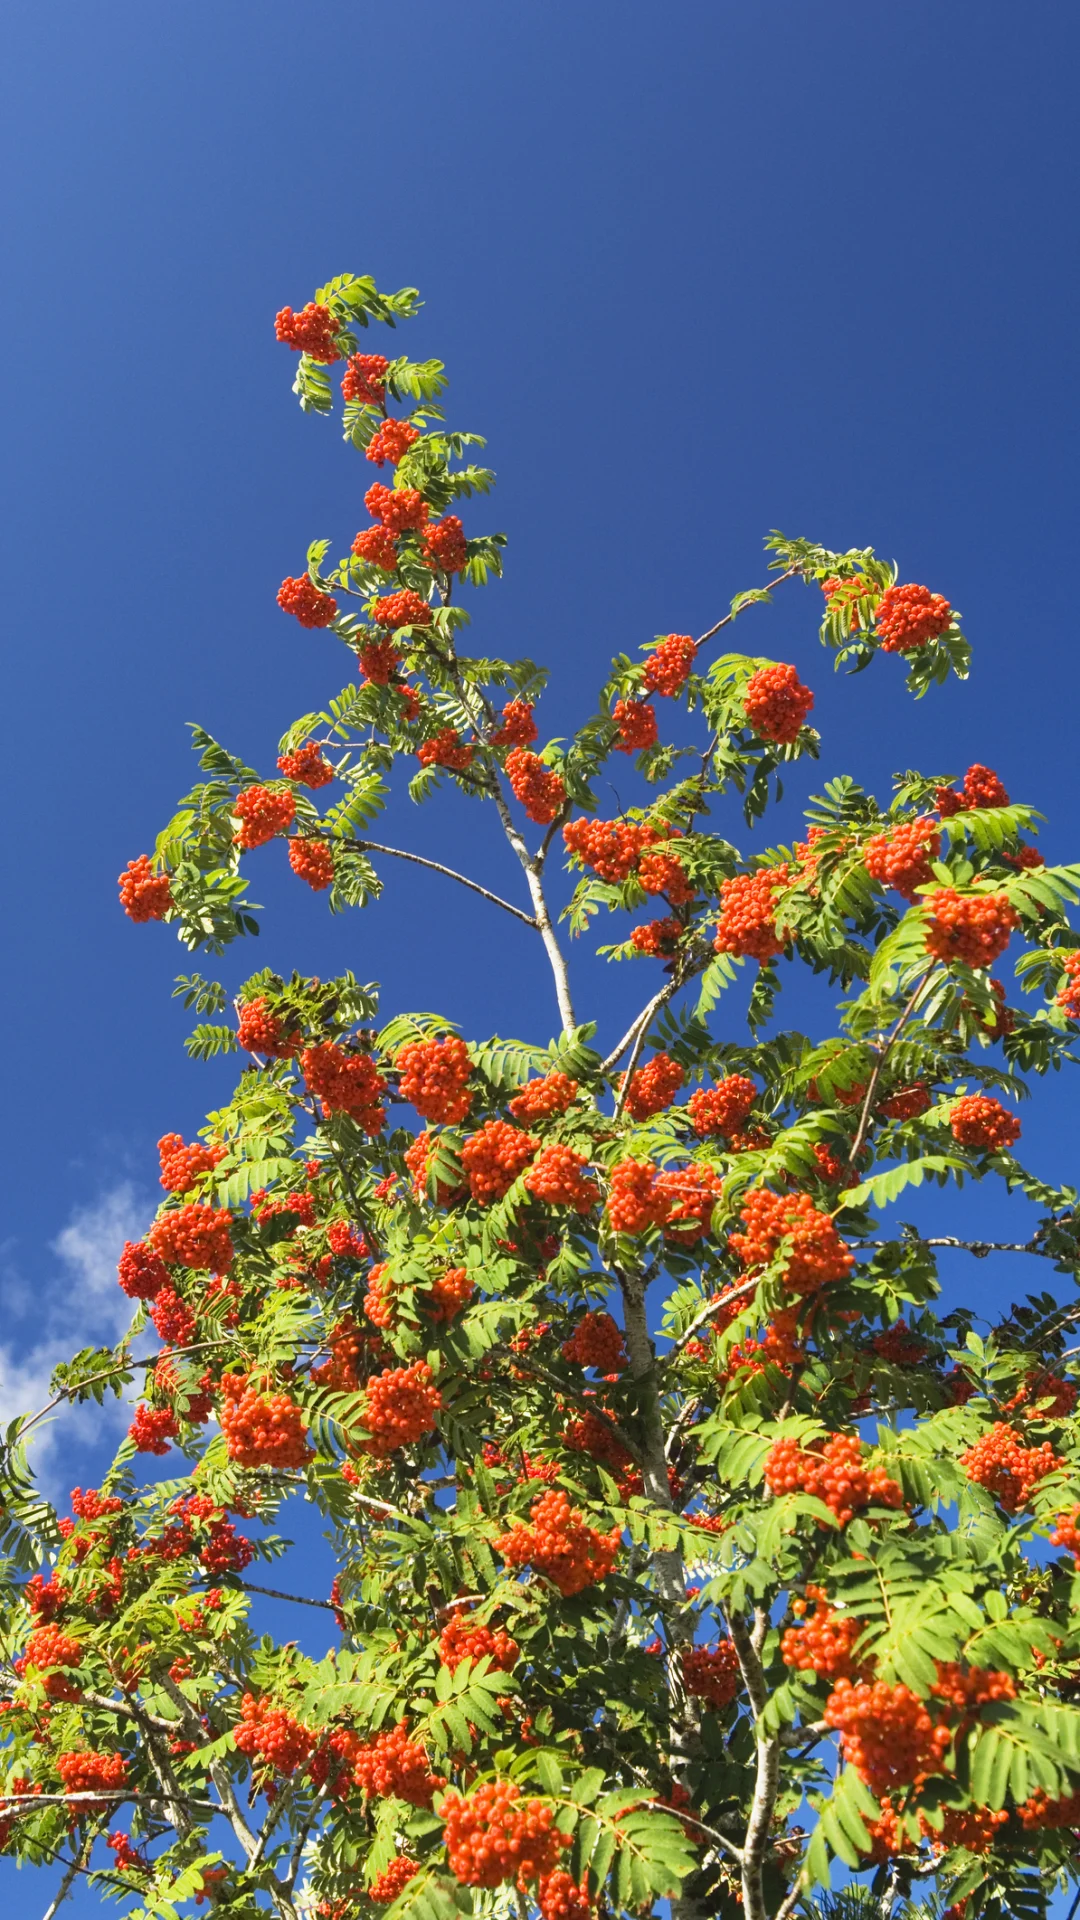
(688, 1540)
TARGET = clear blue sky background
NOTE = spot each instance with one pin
(696, 270)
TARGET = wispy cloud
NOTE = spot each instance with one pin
(78, 1305)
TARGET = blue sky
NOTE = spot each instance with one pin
(696, 272)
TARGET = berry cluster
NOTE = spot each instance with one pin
(902, 857)
(345, 1083)
(449, 1294)
(560, 1544)
(364, 378)
(834, 1473)
(174, 1321)
(312, 331)
(776, 704)
(306, 766)
(92, 1772)
(557, 1176)
(262, 813)
(712, 1674)
(634, 1203)
(260, 1031)
(1066, 1533)
(376, 546)
(394, 1767)
(403, 609)
(463, 1639)
(540, 791)
(816, 1254)
(392, 1881)
(50, 1646)
(909, 616)
(518, 727)
(302, 598)
(144, 894)
(660, 871)
(653, 1087)
(1068, 998)
(268, 1733)
(609, 848)
(311, 860)
(724, 1108)
(636, 721)
(153, 1429)
(446, 749)
(1039, 1811)
(494, 1157)
(434, 1076)
(493, 1835)
(541, 1099)
(445, 546)
(907, 1103)
(688, 1195)
(181, 1166)
(1008, 1470)
(194, 1236)
(747, 923)
(379, 661)
(658, 938)
(261, 1430)
(391, 441)
(824, 1643)
(972, 927)
(597, 1342)
(980, 787)
(668, 668)
(984, 1124)
(899, 1346)
(886, 1733)
(561, 1897)
(398, 509)
(401, 1405)
(141, 1271)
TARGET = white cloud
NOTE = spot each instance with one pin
(79, 1305)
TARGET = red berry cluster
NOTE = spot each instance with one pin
(724, 1108)
(302, 598)
(446, 749)
(268, 1733)
(141, 1271)
(668, 667)
(609, 848)
(392, 1881)
(398, 509)
(153, 1429)
(816, 1257)
(561, 1897)
(92, 1772)
(972, 927)
(1039, 1811)
(909, 616)
(653, 1087)
(539, 790)
(597, 1342)
(747, 923)
(394, 1767)
(557, 1176)
(261, 1430)
(144, 894)
(493, 1835)
(636, 721)
(379, 661)
(311, 331)
(401, 1407)
(712, 1674)
(1008, 1470)
(263, 1032)
(660, 871)
(688, 1195)
(634, 1204)
(306, 766)
(311, 860)
(463, 1639)
(902, 857)
(380, 1303)
(404, 609)
(658, 938)
(494, 1157)
(449, 1294)
(984, 1124)
(345, 1083)
(824, 1643)
(1068, 998)
(376, 546)
(518, 727)
(540, 1099)
(834, 1472)
(434, 1076)
(899, 1345)
(560, 1544)
(980, 787)
(445, 546)
(391, 441)
(262, 813)
(965, 1689)
(194, 1236)
(364, 378)
(50, 1646)
(174, 1321)
(776, 704)
(907, 1102)
(125, 1856)
(887, 1733)
(181, 1166)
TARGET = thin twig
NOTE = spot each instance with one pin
(729, 617)
(436, 866)
(721, 1840)
(118, 1366)
(641, 1022)
(867, 1108)
(65, 1886)
(298, 1599)
(980, 1248)
(709, 1313)
(579, 1399)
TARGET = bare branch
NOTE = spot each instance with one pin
(791, 574)
(298, 1599)
(868, 1103)
(436, 866)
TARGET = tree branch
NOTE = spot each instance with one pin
(867, 1107)
(436, 866)
(298, 1599)
(791, 574)
(767, 1772)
